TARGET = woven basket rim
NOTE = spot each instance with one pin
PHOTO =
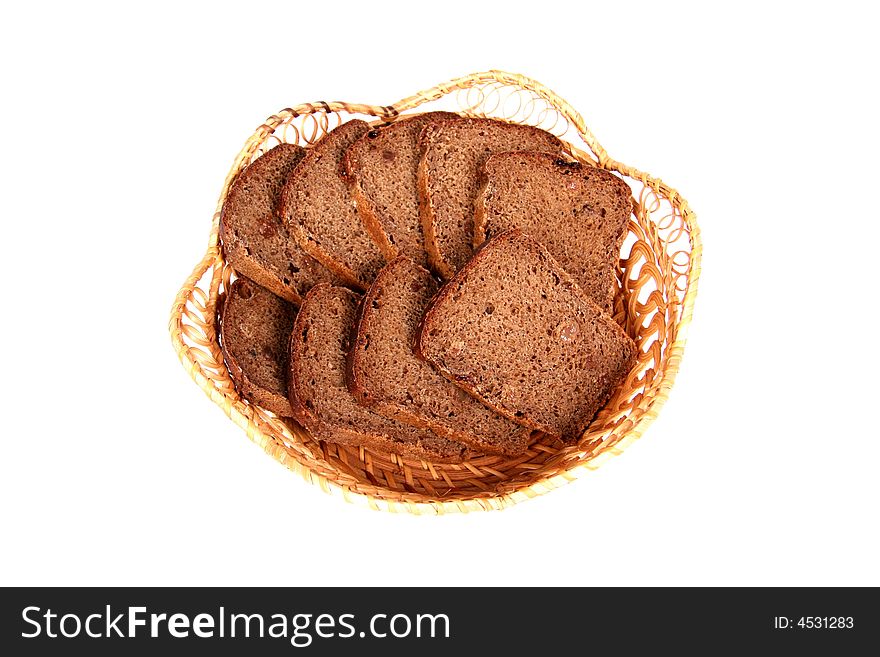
(252, 418)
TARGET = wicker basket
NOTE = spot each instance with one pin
(658, 274)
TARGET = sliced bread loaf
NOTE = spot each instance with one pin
(319, 209)
(453, 151)
(254, 333)
(382, 168)
(321, 402)
(255, 241)
(578, 212)
(385, 373)
(515, 330)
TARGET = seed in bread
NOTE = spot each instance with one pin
(320, 211)
(385, 373)
(382, 167)
(453, 150)
(254, 334)
(515, 330)
(255, 241)
(320, 399)
(580, 213)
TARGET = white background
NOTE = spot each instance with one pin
(118, 127)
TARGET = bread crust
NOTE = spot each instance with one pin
(241, 256)
(338, 434)
(439, 263)
(480, 210)
(367, 210)
(268, 399)
(306, 241)
(426, 215)
(367, 213)
(596, 240)
(354, 378)
(246, 267)
(300, 413)
(469, 386)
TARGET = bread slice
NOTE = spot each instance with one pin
(321, 402)
(515, 330)
(382, 168)
(449, 174)
(580, 213)
(385, 373)
(255, 241)
(254, 332)
(320, 211)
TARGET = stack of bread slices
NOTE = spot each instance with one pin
(437, 288)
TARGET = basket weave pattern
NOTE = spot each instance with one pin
(658, 274)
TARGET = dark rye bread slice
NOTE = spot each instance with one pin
(254, 333)
(382, 167)
(320, 211)
(320, 399)
(579, 213)
(515, 330)
(255, 241)
(385, 373)
(449, 178)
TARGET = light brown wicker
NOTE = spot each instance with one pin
(658, 274)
